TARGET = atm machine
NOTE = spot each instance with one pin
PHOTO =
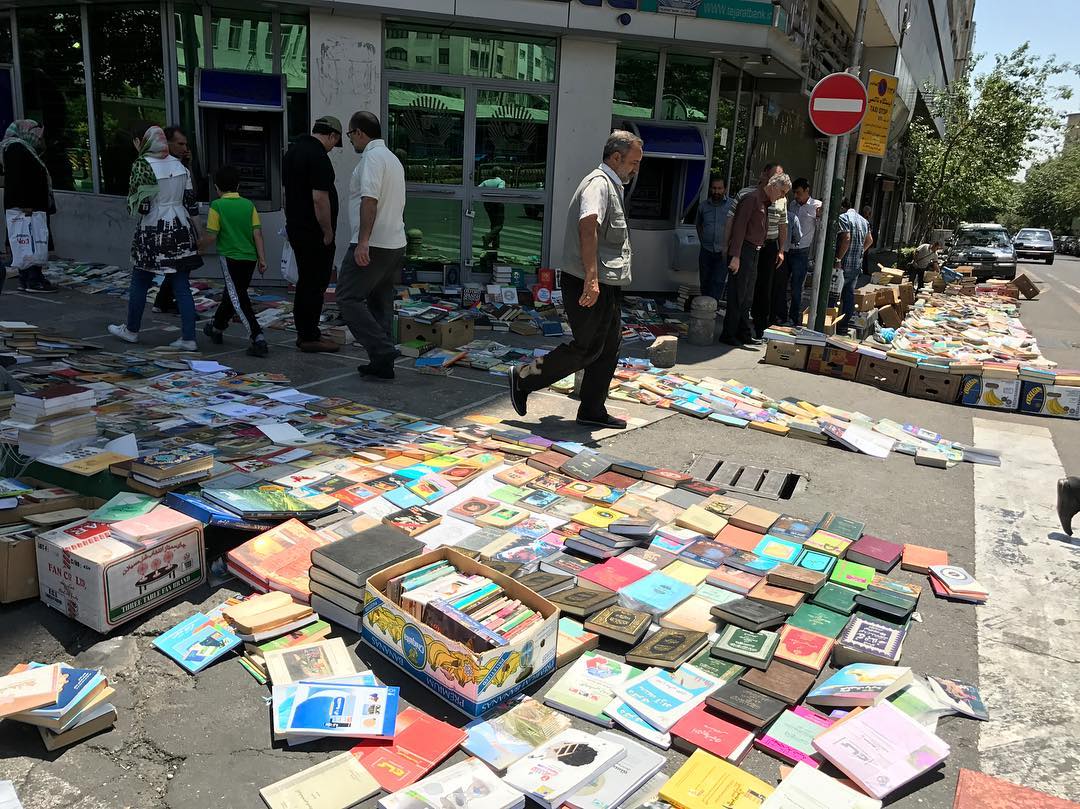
(241, 121)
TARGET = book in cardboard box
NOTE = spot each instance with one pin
(1050, 400)
(103, 583)
(473, 682)
(999, 394)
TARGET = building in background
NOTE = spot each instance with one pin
(497, 108)
(1072, 129)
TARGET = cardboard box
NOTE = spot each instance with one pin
(866, 299)
(882, 374)
(887, 295)
(408, 329)
(933, 385)
(889, 316)
(454, 333)
(832, 319)
(1026, 287)
(999, 394)
(20, 512)
(786, 355)
(829, 361)
(472, 682)
(907, 294)
(18, 568)
(103, 585)
(1058, 401)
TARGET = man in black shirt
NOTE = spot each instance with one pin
(311, 210)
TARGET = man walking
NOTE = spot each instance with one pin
(596, 264)
(311, 210)
(165, 300)
(748, 234)
(855, 240)
(376, 253)
(711, 225)
(771, 255)
(806, 211)
(926, 258)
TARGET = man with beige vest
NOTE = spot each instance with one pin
(596, 265)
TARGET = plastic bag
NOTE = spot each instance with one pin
(289, 271)
(29, 239)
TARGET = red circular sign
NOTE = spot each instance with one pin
(837, 104)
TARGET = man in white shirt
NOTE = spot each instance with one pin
(807, 211)
(376, 254)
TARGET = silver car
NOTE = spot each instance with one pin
(1036, 243)
(987, 248)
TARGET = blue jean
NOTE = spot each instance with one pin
(141, 281)
(847, 294)
(798, 262)
(712, 273)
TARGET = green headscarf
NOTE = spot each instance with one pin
(143, 184)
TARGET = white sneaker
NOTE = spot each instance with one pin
(184, 345)
(121, 331)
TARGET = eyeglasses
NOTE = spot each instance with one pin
(352, 132)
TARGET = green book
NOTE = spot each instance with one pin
(509, 494)
(722, 670)
(836, 598)
(841, 526)
(852, 574)
(817, 561)
(792, 734)
(754, 649)
(817, 619)
(124, 506)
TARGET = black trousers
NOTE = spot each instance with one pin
(740, 296)
(237, 274)
(597, 333)
(917, 277)
(763, 291)
(314, 264)
(165, 300)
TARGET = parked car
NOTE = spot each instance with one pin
(1036, 243)
(1070, 245)
(987, 248)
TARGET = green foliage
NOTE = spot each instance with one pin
(994, 123)
(1050, 195)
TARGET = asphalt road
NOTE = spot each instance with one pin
(187, 742)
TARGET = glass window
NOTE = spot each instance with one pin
(426, 128)
(508, 233)
(477, 53)
(687, 85)
(433, 230)
(635, 83)
(5, 37)
(294, 64)
(444, 56)
(54, 92)
(128, 84)
(190, 56)
(240, 52)
(651, 199)
(423, 60)
(511, 139)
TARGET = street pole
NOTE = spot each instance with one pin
(856, 60)
(816, 317)
(734, 130)
(860, 175)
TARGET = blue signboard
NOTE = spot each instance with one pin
(236, 89)
(755, 12)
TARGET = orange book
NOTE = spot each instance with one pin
(740, 538)
(805, 650)
(29, 689)
(918, 559)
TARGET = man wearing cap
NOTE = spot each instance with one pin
(311, 210)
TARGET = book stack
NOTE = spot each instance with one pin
(53, 418)
(339, 570)
(956, 584)
(157, 525)
(684, 295)
(159, 473)
(66, 704)
(277, 560)
(17, 336)
(266, 616)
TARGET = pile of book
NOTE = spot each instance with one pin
(17, 336)
(65, 703)
(159, 473)
(53, 418)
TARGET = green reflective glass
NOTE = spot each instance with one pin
(426, 129)
(511, 139)
(508, 234)
(433, 230)
(469, 53)
(687, 85)
(635, 83)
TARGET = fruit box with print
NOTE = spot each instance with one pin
(103, 583)
(1000, 394)
(1058, 401)
(473, 682)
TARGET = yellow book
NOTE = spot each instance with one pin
(827, 543)
(686, 572)
(812, 408)
(95, 463)
(701, 520)
(708, 782)
(770, 427)
(598, 517)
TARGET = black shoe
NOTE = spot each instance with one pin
(1068, 501)
(377, 370)
(731, 342)
(606, 422)
(258, 348)
(753, 341)
(518, 395)
(217, 337)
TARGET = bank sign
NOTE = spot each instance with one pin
(755, 12)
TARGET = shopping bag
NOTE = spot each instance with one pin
(29, 239)
(289, 270)
(836, 283)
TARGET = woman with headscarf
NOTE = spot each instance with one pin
(27, 187)
(165, 241)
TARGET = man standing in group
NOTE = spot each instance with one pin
(748, 234)
(806, 211)
(311, 210)
(926, 258)
(855, 240)
(596, 264)
(771, 256)
(376, 253)
(711, 224)
(165, 301)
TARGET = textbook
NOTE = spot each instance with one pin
(613, 786)
(196, 642)
(587, 687)
(342, 709)
(79, 689)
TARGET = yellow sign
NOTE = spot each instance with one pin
(874, 132)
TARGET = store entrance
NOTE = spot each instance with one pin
(477, 157)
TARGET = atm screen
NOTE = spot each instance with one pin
(248, 150)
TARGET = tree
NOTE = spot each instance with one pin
(1050, 195)
(993, 124)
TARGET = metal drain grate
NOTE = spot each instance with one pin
(772, 484)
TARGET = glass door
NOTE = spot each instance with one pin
(476, 159)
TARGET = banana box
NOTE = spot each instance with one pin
(473, 682)
(1000, 394)
(1050, 400)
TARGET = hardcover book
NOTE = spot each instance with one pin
(749, 614)
(841, 526)
(867, 641)
(875, 552)
(621, 623)
(779, 680)
(795, 529)
(737, 581)
(779, 598)
(613, 575)
(836, 598)
(919, 559)
(667, 648)
(745, 705)
(798, 578)
(803, 649)
(782, 550)
(581, 602)
(705, 730)
(754, 649)
(816, 561)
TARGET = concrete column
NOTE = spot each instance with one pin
(586, 80)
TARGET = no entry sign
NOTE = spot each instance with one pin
(837, 104)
